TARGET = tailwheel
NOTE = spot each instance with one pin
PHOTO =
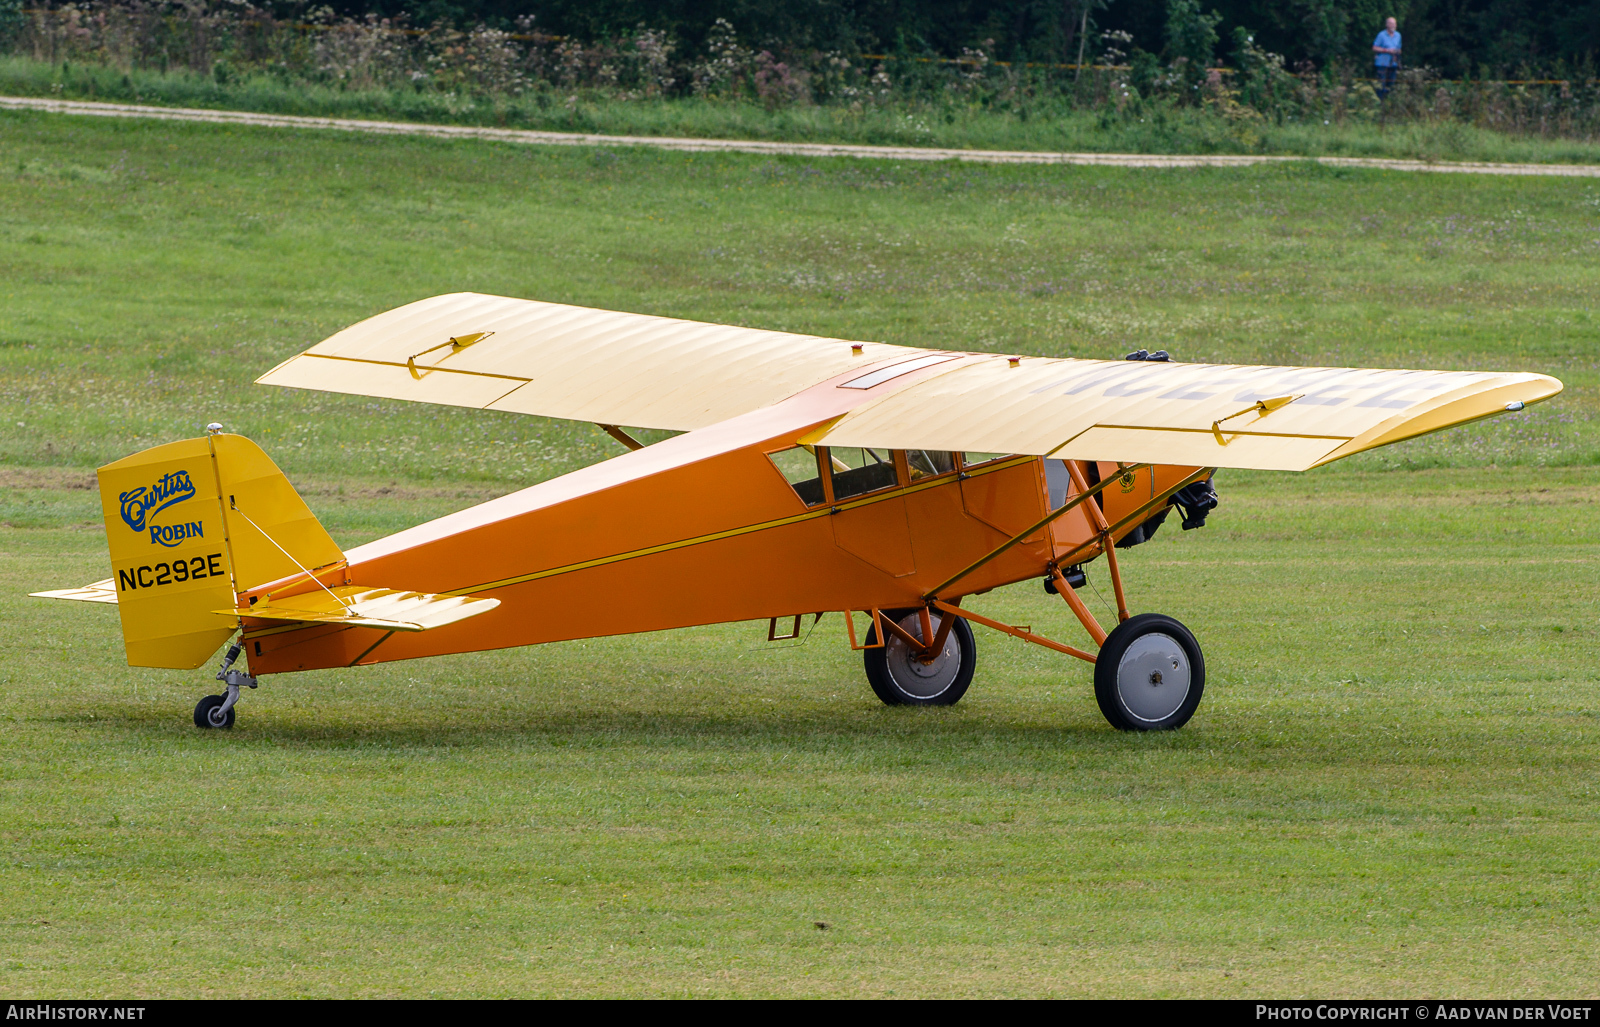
(213, 711)
(1149, 675)
(217, 710)
(902, 677)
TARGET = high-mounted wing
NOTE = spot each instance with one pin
(527, 357)
(1202, 415)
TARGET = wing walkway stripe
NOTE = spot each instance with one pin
(537, 138)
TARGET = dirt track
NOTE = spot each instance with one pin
(528, 137)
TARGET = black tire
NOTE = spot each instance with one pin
(1136, 689)
(899, 679)
(203, 712)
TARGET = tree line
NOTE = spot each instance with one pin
(1456, 38)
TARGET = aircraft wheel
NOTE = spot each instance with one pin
(1149, 675)
(901, 679)
(208, 712)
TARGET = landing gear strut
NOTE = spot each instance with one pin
(1149, 674)
(217, 710)
(901, 675)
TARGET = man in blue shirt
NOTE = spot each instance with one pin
(1387, 48)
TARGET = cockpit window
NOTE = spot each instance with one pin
(798, 465)
(859, 471)
(925, 463)
(972, 459)
(1059, 481)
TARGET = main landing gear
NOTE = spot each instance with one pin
(217, 710)
(1148, 676)
(904, 676)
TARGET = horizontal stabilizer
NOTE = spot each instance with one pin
(94, 592)
(359, 606)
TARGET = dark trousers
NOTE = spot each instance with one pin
(1386, 79)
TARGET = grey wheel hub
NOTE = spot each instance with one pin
(910, 674)
(1153, 677)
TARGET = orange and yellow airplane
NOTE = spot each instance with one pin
(811, 475)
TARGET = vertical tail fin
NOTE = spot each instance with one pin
(191, 524)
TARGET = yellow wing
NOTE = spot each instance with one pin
(1204, 415)
(527, 357)
(524, 356)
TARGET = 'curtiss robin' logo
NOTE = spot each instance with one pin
(145, 501)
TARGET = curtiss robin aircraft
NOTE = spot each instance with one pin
(811, 475)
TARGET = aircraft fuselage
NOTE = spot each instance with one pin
(704, 528)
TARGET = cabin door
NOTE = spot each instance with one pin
(879, 534)
(870, 522)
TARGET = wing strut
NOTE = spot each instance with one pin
(620, 435)
(1108, 545)
(1083, 494)
(1103, 539)
(1138, 515)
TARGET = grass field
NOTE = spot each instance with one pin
(1390, 788)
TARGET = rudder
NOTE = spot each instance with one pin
(189, 525)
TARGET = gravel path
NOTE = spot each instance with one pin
(529, 137)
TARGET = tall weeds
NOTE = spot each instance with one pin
(231, 49)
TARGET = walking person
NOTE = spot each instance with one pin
(1387, 49)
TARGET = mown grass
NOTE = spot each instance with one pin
(1389, 790)
(151, 272)
(1048, 124)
